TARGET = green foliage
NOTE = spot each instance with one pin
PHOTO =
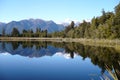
(72, 24)
(3, 32)
(117, 9)
(38, 33)
(15, 32)
(70, 27)
(106, 26)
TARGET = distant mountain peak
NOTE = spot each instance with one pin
(27, 24)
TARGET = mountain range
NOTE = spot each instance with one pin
(29, 24)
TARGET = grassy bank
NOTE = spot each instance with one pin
(29, 39)
(92, 42)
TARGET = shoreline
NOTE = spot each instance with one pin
(93, 42)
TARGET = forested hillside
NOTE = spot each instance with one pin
(106, 26)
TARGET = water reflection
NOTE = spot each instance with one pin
(104, 57)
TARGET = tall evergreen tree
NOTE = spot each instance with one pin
(3, 32)
(15, 32)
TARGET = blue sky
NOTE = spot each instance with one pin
(56, 10)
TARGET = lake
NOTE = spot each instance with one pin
(58, 61)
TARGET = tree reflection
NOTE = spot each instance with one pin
(106, 58)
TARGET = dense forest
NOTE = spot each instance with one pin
(106, 26)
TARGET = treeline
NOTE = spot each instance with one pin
(106, 26)
(26, 33)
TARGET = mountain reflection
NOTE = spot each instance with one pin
(29, 49)
(106, 58)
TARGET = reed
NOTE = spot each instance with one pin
(93, 42)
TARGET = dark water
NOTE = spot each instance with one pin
(57, 61)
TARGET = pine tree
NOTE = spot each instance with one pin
(15, 32)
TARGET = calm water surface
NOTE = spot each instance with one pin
(57, 61)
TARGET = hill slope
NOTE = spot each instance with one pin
(31, 24)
